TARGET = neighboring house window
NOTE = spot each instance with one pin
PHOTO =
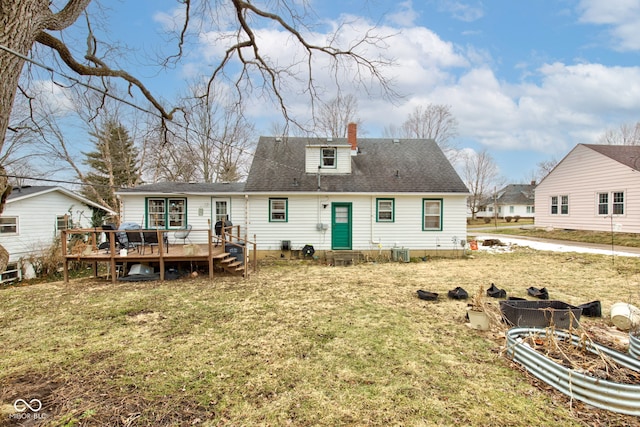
(564, 205)
(554, 205)
(328, 157)
(530, 209)
(166, 213)
(618, 203)
(385, 210)
(63, 222)
(9, 225)
(603, 203)
(278, 210)
(432, 214)
(511, 209)
(490, 208)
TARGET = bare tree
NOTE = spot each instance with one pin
(480, 174)
(26, 24)
(544, 167)
(210, 142)
(434, 121)
(334, 116)
(626, 134)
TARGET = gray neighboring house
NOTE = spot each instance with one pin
(364, 194)
(512, 200)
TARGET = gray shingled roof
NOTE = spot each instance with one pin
(381, 166)
(186, 188)
(516, 194)
(28, 190)
(628, 155)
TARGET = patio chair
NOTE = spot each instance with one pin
(183, 234)
(134, 239)
(106, 245)
(150, 238)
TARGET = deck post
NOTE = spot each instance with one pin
(254, 261)
(63, 236)
(160, 239)
(210, 248)
(112, 255)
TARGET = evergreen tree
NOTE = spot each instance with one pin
(113, 164)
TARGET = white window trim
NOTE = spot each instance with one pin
(16, 224)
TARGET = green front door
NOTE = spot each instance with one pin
(341, 226)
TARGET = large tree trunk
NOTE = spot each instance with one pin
(20, 23)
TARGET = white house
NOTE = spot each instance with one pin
(333, 194)
(594, 187)
(32, 219)
(510, 201)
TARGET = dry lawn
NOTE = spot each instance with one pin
(297, 344)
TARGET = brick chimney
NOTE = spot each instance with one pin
(352, 136)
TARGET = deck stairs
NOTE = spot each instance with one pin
(230, 264)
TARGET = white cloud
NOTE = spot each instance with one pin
(462, 11)
(621, 16)
(405, 16)
(556, 105)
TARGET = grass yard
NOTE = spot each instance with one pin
(583, 236)
(297, 344)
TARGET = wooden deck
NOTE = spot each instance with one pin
(162, 253)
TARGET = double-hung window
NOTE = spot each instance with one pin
(9, 225)
(603, 203)
(329, 157)
(432, 214)
(611, 203)
(166, 213)
(385, 210)
(63, 222)
(618, 203)
(564, 205)
(278, 210)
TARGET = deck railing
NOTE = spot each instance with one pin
(82, 245)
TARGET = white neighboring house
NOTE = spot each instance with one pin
(32, 219)
(594, 187)
(332, 193)
(512, 200)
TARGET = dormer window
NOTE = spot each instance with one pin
(329, 157)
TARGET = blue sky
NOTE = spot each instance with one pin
(526, 79)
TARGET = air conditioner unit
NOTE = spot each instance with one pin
(400, 254)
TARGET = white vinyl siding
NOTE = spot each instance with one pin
(305, 212)
(200, 212)
(38, 222)
(316, 155)
(582, 175)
